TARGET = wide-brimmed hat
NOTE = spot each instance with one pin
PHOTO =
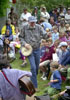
(32, 19)
(44, 7)
(25, 51)
(67, 87)
(68, 29)
(62, 44)
(68, 8)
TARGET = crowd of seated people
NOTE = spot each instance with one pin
(56, 26)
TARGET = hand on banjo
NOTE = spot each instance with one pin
(27, 46)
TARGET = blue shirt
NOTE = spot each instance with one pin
(66, 59)
(42, 50)
(1, 41)
(62, 56)
(56, 76)
(46, 25)
(10, 29)
(55, 36)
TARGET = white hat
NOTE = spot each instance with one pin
(62, 44)
(67, 87)
(68, 29)
(32, 19)
(69, 8)
(26, 52)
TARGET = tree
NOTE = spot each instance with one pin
(3, 5)
(48, 3)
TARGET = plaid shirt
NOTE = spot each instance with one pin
(32, 36)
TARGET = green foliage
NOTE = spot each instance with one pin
(48, 3)
(3, 5)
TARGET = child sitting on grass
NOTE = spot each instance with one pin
(55, 81)
(46, 58)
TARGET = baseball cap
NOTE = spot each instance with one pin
(32, 19)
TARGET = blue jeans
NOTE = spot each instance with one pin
(34, 60)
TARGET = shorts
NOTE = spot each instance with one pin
(45, 63)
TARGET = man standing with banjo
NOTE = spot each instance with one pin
(31, 36)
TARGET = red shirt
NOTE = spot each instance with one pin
(48, 53)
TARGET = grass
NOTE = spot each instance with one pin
(41, 83)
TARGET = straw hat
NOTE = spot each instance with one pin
(68, 8)
(68, 29)
(25, 51)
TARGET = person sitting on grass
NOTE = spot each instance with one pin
(46, 58)
(9, 26)
(23, 59)
(55, 81)
(64, 60)
(64, 56)
(63, 47)
(8, 47)
(43, 47)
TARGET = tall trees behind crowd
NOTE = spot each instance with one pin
(32, 3)
(48, 3)
(3, 5)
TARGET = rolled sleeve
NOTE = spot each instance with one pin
(22, 36)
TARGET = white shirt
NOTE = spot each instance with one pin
(25, 16)
(67, 18)
(1, 41)
(45, 15)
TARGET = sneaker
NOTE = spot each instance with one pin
(24, 64)
(44, 78)
(37, 90)
(43, 75)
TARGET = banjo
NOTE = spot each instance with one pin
(26, 86)
(26, 52)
